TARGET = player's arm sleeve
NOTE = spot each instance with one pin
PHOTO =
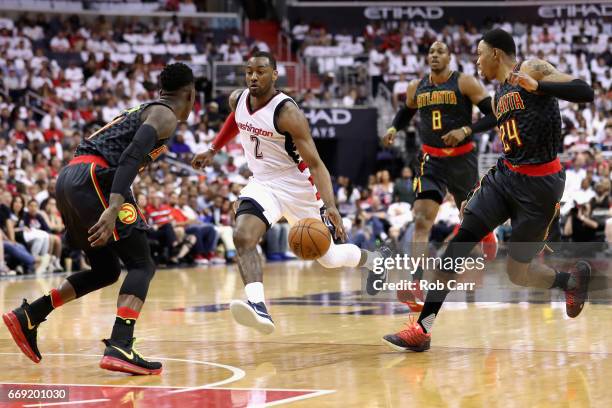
(228, 132)
(402, 117)
(486, 122)
(574, 91)
(142, 143)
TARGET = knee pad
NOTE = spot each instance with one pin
(89, 281)
(138, 277)
(145, 269)
(470, 233)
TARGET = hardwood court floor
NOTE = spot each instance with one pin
(326, 351)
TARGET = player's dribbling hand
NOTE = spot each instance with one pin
(454, 137)
(202, 160)
(523, 80)
(334, 217)
(389, 138)
(103, 229)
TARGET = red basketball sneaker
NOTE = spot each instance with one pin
(412, 338)
(489, 246)
(409, 298)
(575, 298)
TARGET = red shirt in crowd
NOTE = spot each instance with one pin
(20, 136)
(178, 215)
(161, 215)
(53, 135)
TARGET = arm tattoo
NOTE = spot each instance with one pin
(233, 99)
(542, 67)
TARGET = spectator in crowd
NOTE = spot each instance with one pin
(171, 249)
(34, 220)
(277, 248)
(403, 190)
(4, 269)
(223, 220)
(400, 87)
(206, 235)
(36, 240)
(581, 227)
(384, 187)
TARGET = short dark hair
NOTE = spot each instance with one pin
(269, 56)
(175, 76)
(498, 38)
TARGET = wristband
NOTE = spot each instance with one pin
(465, 130)
(392, 129)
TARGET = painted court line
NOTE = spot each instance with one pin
(317, 393)
(237, 373)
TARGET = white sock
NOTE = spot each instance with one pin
(428, 322)
(341, 255)
(255, 292)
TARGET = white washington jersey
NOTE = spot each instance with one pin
(282, 185)
(267, 151)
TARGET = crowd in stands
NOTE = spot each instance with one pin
(86, 73)
(395, 56)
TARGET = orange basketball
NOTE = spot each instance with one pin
(309, 238)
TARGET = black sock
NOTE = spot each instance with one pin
(123, 330)
(433, 303)
(564, 281)
(40, 309)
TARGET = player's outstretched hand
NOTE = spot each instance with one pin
(334, 217)
(523, 80)
(103, 229)
(202, 160)
(454, 137)
(389, 138)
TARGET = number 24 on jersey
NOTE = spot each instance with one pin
(508, 132)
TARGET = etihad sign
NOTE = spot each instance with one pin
(576, 11)
(401, 13)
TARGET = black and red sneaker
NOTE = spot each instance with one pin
(372, 288)
(575, 298)
(412, 338)
(23, 331)
(125, 359)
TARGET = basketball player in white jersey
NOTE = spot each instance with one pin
(289, 180)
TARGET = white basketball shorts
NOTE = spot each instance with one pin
(290, 194)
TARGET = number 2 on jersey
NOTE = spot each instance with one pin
(508, 131)
(258, 153)
(436, 120)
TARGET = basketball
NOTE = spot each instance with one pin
(309, 238)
